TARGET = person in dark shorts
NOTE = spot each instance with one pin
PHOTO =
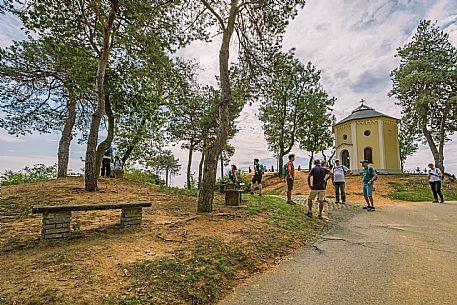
(259, 169)
(434, 177)
(369, 177)
(290, 178)
(320, 176)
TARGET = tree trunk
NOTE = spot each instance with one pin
(109, 137)
(189, 164)
(433, 148)
(280, 163)
(311, 160)
(222, 165)
(200, 169)
(91, 168)
(206, 195)
(166, 177)
(65, 140)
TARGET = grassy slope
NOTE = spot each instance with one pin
(176, 257)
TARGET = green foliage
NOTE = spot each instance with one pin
(418, 190)
(295, 107)
(407, 144)
(144, 176)
(28, 174)
(425, 87)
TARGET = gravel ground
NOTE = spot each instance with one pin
(400, 254)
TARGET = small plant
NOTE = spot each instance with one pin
(76, 226)
(143, 176)
(28, 174)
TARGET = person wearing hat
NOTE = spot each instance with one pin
(338, 181)
(369, 177)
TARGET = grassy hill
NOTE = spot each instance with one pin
(176, 257)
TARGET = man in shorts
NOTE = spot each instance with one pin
(369, 176)
(259, 169)
(290, 178)
(320, 176)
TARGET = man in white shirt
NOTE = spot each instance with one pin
(338, 181)
(435, 176)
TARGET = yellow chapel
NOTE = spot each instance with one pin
(367, 134)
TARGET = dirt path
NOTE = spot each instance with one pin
(401, 254)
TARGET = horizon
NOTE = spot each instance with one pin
(352, 44)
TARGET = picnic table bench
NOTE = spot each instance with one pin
(57, 218)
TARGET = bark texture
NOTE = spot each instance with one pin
(63, 154)
(91, 167)
(206, 195)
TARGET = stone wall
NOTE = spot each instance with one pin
(56, 225)
(131, 216)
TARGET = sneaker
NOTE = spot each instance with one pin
(336, 202)
(344, 202)
(252, 193)
(291, 203)
(442, 201)
(309, 214)
(366, 207)
(371, 209)
(435, 201)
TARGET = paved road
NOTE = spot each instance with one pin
(403, 254)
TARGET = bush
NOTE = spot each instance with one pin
(143, 176)
(29, 174)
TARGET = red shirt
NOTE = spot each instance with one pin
(290, 169)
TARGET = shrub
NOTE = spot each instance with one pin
(143, 176)
(29, 174)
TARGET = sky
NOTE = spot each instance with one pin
(353, 43)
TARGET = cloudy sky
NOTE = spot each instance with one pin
(352, 42)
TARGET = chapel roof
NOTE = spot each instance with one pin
(363, 112)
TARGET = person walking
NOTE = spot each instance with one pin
(106, 162)
(434, 176)
(290, 178)
(320, 176)
(232, 174)
(369, 177)
(338, 181)
(259, 170)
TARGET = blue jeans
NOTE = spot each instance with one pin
(368, 190)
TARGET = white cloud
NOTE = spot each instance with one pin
(352, 42)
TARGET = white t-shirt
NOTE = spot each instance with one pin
(338, 173)
(435, 171)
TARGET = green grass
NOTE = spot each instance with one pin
(206, 271)
(181, 191)
(419, 190)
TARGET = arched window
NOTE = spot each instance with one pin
(368, 154)
(345, 158)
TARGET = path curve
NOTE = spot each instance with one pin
(401, 254)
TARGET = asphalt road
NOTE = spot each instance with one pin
(403, 254)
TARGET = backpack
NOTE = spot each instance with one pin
(284, 169)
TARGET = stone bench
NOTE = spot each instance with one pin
(57, 218)
(233, 197)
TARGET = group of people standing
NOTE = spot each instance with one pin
(322, 172)
(317, 182)
(108, 158)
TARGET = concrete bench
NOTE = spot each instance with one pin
(57, 218)
(233, 197)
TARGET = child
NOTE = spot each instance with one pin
(118, 168)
